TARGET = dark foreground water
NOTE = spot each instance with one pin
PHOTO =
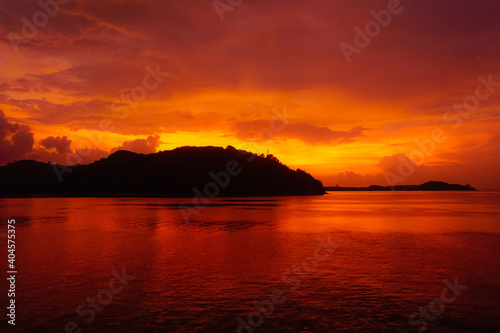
(343, 262)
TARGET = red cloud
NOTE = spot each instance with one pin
(61, 144)
(142, 146)
(18, 145)
(259, 130)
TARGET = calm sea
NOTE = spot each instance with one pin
(343, 262)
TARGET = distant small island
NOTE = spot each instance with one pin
(182, 172)
(429, 186)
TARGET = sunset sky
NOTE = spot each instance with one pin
(91, 77)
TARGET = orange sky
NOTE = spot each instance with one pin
(271, 75)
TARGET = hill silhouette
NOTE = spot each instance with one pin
(181, 172)
(429, 186)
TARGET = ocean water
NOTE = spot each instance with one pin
(342, 262)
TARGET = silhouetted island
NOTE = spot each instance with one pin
(429, 186)
(181, 172)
